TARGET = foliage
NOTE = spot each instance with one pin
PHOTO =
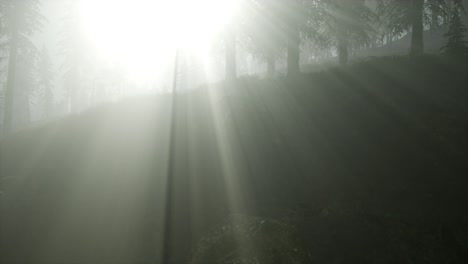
(356, 18)
(456, 46)
(395, 15)
(264, 29)
(340, 24)
(24, 16)
(20, 20)
(321, 23)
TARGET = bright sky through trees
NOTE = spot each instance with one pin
(136, 32)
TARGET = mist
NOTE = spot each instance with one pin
(233, 131)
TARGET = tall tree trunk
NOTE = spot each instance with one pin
(343, 51)
(10, 87)
(271, 64)
(231, 67)
(48, 102)
(435, 14)
(417, 34)
(293, 67)
(342, 45)
(74, 86)
(23, 108)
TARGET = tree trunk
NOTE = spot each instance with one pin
(23, 110)
(48, 103)
(342, 45)
(293, 67)
(271, 64)
(343, 52)
(10, 87)
(417, 34)
(231, 72)
(435, 14)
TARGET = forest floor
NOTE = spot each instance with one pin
(360, 164)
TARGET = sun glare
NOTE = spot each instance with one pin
(144, 34)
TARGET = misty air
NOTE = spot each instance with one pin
(233, 131)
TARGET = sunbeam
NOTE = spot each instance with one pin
(233, 131)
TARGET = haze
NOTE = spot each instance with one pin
(233, 131)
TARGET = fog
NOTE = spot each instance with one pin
(233, 131)
(126, 48)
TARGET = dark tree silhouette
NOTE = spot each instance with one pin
(436, 13)
(293, 20)
(456, 46)
(411, 16)
(417, 27)
(350, 21)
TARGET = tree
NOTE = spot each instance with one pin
(21, 19)
(457, 46)
(231, 54)
(438, 9)
(338, 24)
(25, 84)
(293, 19)
(417, 28)
(350, 21)
(275, 25)
(76, 65)
(411, 16)
(2, 16)
(404, 16)
(232, 28)
(263, 32)
(45, 81)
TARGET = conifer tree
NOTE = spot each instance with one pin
(45, 81)
(76, 64)
(456, 46)
(264, 32)
(20, 20)
(350, 21)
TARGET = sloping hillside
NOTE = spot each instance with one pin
(369, 158)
